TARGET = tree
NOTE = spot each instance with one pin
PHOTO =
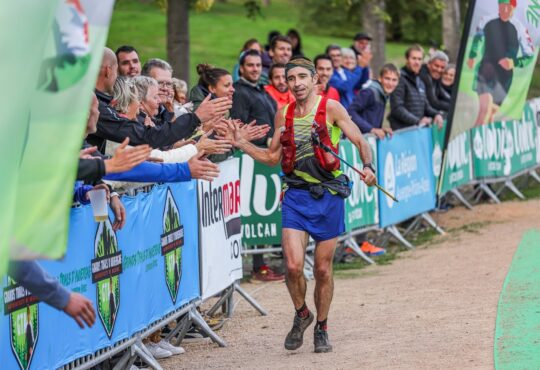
(374, 23)
(451, 21)
(178, 37)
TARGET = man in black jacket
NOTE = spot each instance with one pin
(431, 74)
(250, 100)
(113, 127)
(408, 103)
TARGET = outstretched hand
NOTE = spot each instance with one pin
(202, 168)
(125, 158)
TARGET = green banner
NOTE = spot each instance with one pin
(504, 148)
(68, 71)
(260, 190)
(23, 32)
(361, 207)
(457, 169)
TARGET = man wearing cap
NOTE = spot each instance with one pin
(362, 48)
(314, 191)
(503, 37)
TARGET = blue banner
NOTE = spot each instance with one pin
(405, 169)
(133, 277)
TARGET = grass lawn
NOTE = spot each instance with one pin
(217, 35)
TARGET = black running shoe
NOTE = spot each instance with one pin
(295, 338)
(321, 341)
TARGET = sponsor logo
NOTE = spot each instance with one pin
(106, 270)
(172, 242)
(23, 311)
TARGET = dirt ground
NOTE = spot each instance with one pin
(432, 308)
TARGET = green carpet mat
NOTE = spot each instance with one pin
(517, 333)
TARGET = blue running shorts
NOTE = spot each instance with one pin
(322, 219)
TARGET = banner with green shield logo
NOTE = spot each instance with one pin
(503, 148)
(24, 28)
(361, 207)
(260, 190)
(457, 168)
(67, 73)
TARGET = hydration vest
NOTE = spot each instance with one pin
(326, 160)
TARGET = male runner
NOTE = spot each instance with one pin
(314, 191)
(504, 36)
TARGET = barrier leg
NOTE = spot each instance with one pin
(461, 198)
(510, 185)
(486, 189)
(180, 330)
(392, 230)
(250, 299)
(124, 360)
(226, 294)
(427, 217)
(413, 226)
(351, 243)
(230, 302)
(197, 319)
(534, 175)
(140, 350)
(308, 268)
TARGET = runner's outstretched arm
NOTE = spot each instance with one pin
(270, 156)
(337, 113)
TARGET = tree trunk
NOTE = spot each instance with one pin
(451, 27)
(266, 2)
(178, 37)
(374, 24)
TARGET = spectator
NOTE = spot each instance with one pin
(362, 48)
(278, 88)
(115, 128)
(280, 52)
(180, 91)
(345, 81)
(250, 100)
(266, 59)
(431, 74)
(348, 59)
(296, 43)
(408, 103)
(215, 81)
(368, 107)
(129, 63)
(447, 82)
(251, 44)
(323, 66)
(161, 71)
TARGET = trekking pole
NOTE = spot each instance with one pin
(316, 140)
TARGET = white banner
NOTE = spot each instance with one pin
(220, 229)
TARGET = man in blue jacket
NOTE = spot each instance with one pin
(368, 107)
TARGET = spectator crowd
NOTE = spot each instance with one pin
(145, 126)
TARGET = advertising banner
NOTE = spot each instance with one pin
(405, 169)
(221, 229)
(503, 148)
(133, 276)
(457, 169)
(499, 60)
(57, 121)
(361, 207)
(260, 189)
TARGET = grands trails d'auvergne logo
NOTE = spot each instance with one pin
(172, 241)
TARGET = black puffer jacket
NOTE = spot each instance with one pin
(408, 103)
(252, 102)
(432, 90)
